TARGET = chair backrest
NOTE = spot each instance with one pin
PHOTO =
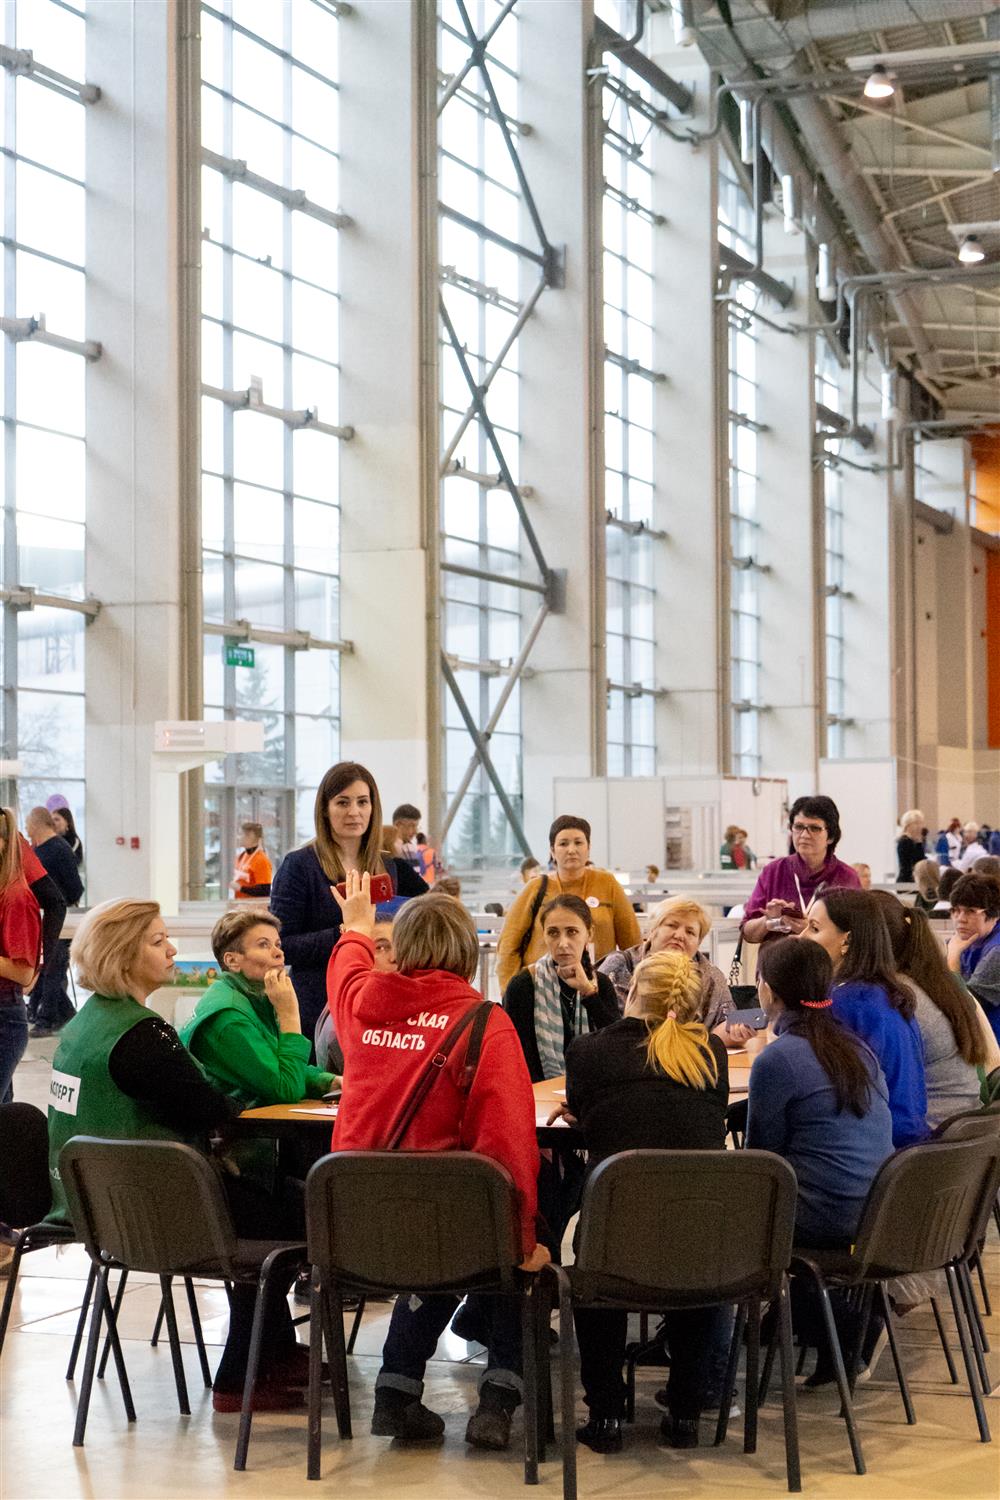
(925, 1204)
(693, 1226)
(970, 1125)
(25, 1189)
(153, 1206)
(413, 1221)
(993, 1085)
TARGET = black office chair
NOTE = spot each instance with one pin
(417, 1223)
(25, 1194)
(158, 1207)
(663, 1230)
(923, 1213)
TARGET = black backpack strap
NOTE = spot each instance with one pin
(536, 907)
(475, 1047)
(426, 1077)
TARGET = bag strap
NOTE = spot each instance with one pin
(736, 967)
(536, 907)
(431, 1069)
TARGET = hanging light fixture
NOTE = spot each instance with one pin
(746, 132)
(683, 26)
(971, 251)
(878, 84)
(826, 274)
(790, 203)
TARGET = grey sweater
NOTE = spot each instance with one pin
(952, 1083)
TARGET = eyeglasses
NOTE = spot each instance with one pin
(808, 827)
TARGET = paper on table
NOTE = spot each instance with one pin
(327, 1109)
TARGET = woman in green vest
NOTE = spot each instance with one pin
(120, 1072)
(246, 1031)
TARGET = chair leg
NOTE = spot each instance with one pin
(359, 1314)
(8, 1296)
(863, 1306)
(106, 1351)
(333, 1315)
(788, 1398)
(90, 1360)
(253, 1365)
(942, 1335)
(729, 1381)
(81, 1322)
(567, 1392)
(166, 1292)
(800, 1363)
(154, 1337)
(971, 1373)
(975, 1325)
(543, 1364)
(984, 1289)
(111, 1314)
(529, 1344)
(904, 1389)
(769, 1356)
(314, 1446)
(753, 1377)
(847, 1406)
(199, 1337)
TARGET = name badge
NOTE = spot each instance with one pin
(593, 902)
(64, 1092)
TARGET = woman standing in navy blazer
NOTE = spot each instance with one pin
(348, 835)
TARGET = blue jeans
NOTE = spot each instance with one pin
(417, 1324)
(13, 1040)
(53, 1007)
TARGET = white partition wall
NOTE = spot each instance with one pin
(865, 793)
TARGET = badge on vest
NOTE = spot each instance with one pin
(64, 1092)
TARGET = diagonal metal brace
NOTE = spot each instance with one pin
(483, 754)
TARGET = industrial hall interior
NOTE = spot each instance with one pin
(500, 749)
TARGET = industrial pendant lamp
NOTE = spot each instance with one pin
(879, 85)
(971, 251)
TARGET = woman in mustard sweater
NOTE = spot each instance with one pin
(615, 926)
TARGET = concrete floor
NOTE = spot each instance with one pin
(166, 1455)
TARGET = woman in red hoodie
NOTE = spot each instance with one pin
(385, 1023)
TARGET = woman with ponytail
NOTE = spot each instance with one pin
(654, 1080)
(817, 1094)
(955, 1039)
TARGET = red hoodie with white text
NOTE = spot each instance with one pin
(387, 1026)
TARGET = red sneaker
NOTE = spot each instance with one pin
(265, 1398)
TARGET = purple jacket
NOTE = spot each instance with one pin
(776, 882)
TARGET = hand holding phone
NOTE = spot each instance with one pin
(380, 889)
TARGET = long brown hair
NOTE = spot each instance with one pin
(800, 975)
(868, 957)
(918, 955)
(327, 849)
(11, 869)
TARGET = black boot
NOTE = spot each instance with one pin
(679, 1432)
(602, 1434)
(489, 1425)
(398, 1414)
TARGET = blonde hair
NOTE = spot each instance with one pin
(927, 875)
(11, 868)
(914, 815)
(106, 943)
(679, 906)
(668, 986)
(436, 932)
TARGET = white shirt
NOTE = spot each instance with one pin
(969, 855)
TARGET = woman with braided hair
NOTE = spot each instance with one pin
(656, 1079)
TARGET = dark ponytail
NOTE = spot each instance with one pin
(868, 957)
(918, 955)
(800, 975)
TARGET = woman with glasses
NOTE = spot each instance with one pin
(787, 886)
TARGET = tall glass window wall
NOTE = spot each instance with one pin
(735, 228)
(629, 399)
(44, 493)
(828, 392)
(482, 288)
(270, 515)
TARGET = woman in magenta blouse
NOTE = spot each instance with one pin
(786, 886)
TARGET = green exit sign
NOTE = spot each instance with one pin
(238, 655)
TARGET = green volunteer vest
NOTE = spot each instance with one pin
(83, 1097)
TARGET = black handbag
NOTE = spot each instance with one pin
(744, 995)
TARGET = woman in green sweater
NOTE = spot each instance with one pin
(246, 1031)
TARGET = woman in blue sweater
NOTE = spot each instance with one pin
(871, 999)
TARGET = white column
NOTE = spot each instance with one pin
(686, 565)
(786, 505)
(867, 636)
(133, 521)
(383, 593)
(557, 702)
